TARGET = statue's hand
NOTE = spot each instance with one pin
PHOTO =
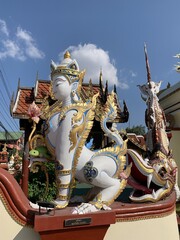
(88, 208)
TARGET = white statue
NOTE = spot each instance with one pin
(66, 137)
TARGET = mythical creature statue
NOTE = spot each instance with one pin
(156, 176)
(107, 170)
(68, 129)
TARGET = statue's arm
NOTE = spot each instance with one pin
(63, 144)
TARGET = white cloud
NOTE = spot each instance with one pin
(30, 46)
(24, 35)
(3, 27)
(21, 46)
(11, 49)
(93, 59)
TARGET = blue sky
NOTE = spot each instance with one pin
(100, 34)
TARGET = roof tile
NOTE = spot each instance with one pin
(27, 96)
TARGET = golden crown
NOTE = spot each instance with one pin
(67, 67)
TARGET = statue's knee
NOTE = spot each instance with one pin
(90, 172)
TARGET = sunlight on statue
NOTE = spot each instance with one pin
(66, 136)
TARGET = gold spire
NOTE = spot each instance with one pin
(67, 55)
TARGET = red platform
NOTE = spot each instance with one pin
(62, 224)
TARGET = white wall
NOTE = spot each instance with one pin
(164, 228)
(11, 230)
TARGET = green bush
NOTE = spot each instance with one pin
(40, 188)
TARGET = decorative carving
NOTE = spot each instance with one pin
(156, 176)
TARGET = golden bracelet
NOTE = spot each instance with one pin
(64, 185)
(64, 172)
(63, 197)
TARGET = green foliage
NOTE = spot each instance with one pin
(138, 130)
(37, 188)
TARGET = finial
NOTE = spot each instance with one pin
(147, 64)
(67, 55)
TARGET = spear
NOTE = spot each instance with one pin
(147, 64)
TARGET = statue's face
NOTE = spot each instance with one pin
(150, 89)
(61, 87)
(155, 87)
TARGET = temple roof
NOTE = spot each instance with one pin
(26, 95)
(10, 136)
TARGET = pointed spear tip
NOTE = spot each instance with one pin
(147, 64)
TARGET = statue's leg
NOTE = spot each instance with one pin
(101, 172)
(111, 188)
(106, 194)
(63, 182)
(94, 191)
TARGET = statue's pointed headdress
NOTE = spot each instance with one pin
(69, 68)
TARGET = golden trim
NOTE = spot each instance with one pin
(66, 71)
(146, 169)
(83, 130)
(99, 203)
(32, 132)
(62, 197)
(33, 141)
(162, 195)
(58, 206)
(64, 172)
(11, 212)
(64, 185)
(139, 218)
